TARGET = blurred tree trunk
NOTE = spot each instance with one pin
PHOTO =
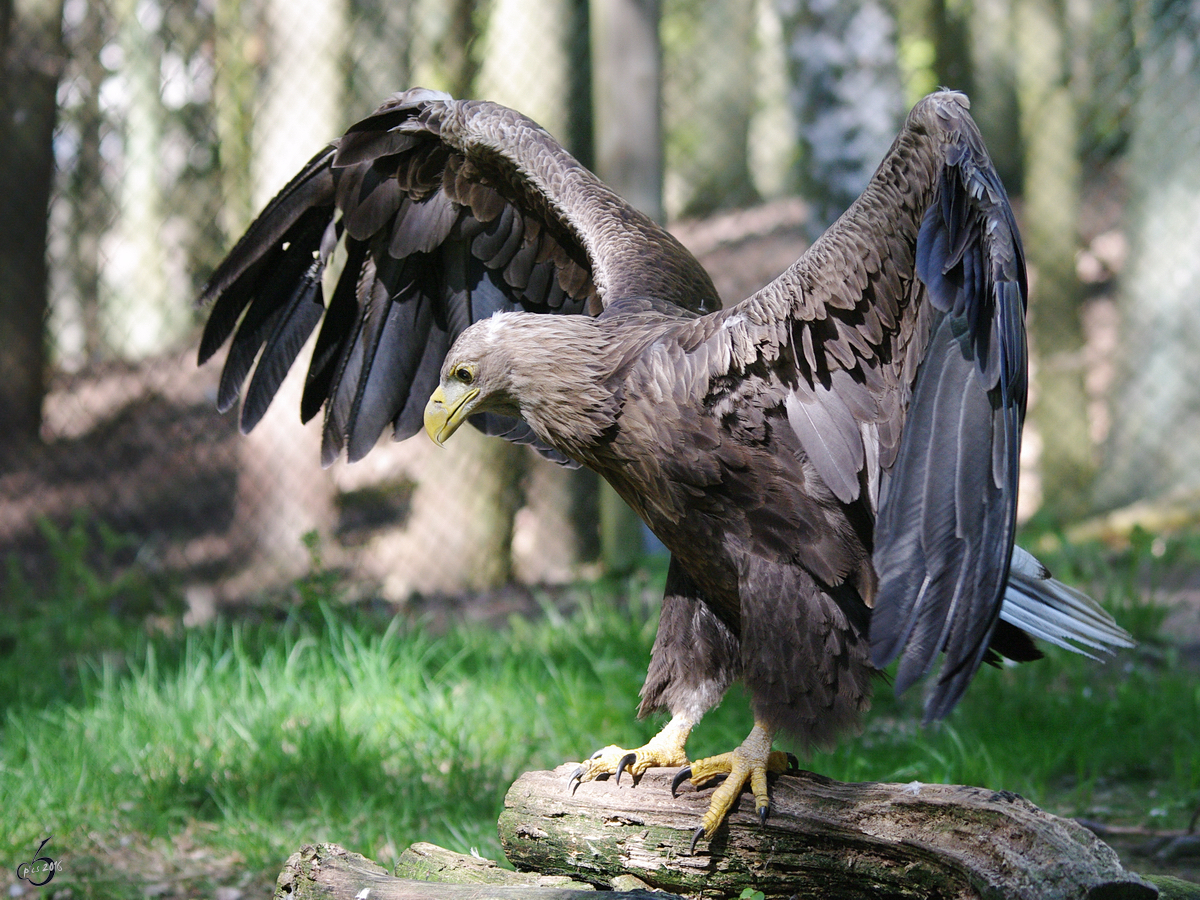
(580, 135)
(627, 100)
(456, 50)
(137, 317)
(92, 203)
(33, 58)
(1049, 131)
(933, 46)
(1153, 446)
(626, 94)
(239, 51)
(952, 45)
(711, 91)
(527, 56)
(993, 87)
(282, 494)
(525, 60)
(380, 51)
(556, 532)
(847, 97)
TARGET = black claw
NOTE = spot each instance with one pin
(576, 779)
(762, 815)
(597, 754)
(680, 777)
(793, 764)
(626, 761)
(696, 835)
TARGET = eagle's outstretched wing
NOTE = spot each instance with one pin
(902, 370)
(440, 213)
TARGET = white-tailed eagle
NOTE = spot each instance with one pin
(832, 462)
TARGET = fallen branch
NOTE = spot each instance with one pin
(330, 872)
(824, 838)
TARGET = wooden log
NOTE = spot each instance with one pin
(429, 862)
(330, 872)
(823, 838)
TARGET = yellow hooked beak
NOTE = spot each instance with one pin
(447, 410)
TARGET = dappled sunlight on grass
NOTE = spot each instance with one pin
(245, 740)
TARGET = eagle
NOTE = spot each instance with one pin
(832, 462)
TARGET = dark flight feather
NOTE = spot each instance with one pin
(969, 258)
(273, 288)
(231, 285)
(335, 334)
(295, 323)
(385, 388)
(410, 418)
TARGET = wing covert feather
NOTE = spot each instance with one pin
(405, 190)
(915, 298)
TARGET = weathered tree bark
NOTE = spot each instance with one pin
(429, 862)
(823, 838)
(316, 872)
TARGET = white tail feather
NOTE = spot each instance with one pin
(1051, 611)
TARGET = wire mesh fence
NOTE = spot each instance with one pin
(178, 119)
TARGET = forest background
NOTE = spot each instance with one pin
(142, 135)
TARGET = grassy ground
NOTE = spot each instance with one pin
(173, 762)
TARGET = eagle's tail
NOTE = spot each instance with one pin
(1051, 611)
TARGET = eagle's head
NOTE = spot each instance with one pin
(476, 377)
(548, 370)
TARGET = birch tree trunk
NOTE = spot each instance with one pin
(846, 96)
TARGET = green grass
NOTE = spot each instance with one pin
(203, 757)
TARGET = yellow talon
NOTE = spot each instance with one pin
(752, 761)
(667, 748)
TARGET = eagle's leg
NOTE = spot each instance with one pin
(751, 761)
(667, 748)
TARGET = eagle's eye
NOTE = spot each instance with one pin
(464, 374)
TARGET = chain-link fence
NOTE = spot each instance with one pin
(177, 120)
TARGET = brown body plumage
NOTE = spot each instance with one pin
(832, 462)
